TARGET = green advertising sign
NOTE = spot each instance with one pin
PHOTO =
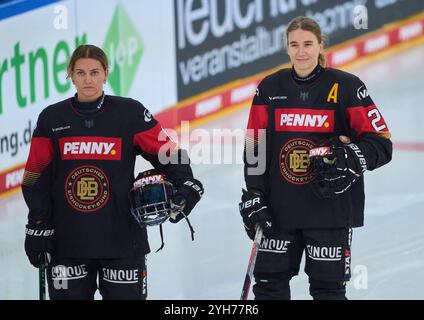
(124, 48)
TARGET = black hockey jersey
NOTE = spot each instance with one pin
(80, 169)
(286, 120)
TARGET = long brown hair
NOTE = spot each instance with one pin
(87, 51)
(307, 24)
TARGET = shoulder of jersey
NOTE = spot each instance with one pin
(274, 78)
(341, 75)
(129, 107)
(56, 108)
(132, 109)
(282, 73)
(125, 103)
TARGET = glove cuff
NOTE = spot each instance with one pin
(193, 185)
(38, 231)
(356, 152)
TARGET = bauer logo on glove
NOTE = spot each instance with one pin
(253, 210)
(188, 193)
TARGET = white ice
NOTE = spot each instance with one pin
(387, 254)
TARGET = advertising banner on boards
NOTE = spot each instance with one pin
(219, 41)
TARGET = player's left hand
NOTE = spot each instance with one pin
(189, 192)
(337, 164)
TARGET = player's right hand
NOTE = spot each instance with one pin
(38, 242)
(254, 211)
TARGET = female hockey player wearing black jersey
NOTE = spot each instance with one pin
(76, 183)
(322, 131)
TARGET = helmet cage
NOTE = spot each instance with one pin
(150, 203)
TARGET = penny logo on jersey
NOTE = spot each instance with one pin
(294, 161)
(90, 148)
(87, 189)
(304, 120)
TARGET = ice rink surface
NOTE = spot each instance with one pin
(387, 253)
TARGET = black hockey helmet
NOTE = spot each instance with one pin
(150, 198)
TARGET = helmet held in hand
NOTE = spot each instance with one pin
(150, 198)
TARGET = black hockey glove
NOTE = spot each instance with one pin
(254, 211)
(337, 164)
(38, 242)
(188, 194)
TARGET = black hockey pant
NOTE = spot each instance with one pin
(327, 263)
(118, 279)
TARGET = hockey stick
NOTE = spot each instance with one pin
(252, 262)
(42, 275)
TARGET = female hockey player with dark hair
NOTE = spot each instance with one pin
(322, 131)
(77, 178)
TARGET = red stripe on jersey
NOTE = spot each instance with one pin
(367, 120)
(258, 119)
(40, 155)
(150, 141)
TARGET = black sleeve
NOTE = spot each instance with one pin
(368, 126)
(178, 169)
(376, 149)
(256, 145)
(36, 182)
(153, 143)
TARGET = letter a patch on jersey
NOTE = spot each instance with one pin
(334, 92)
